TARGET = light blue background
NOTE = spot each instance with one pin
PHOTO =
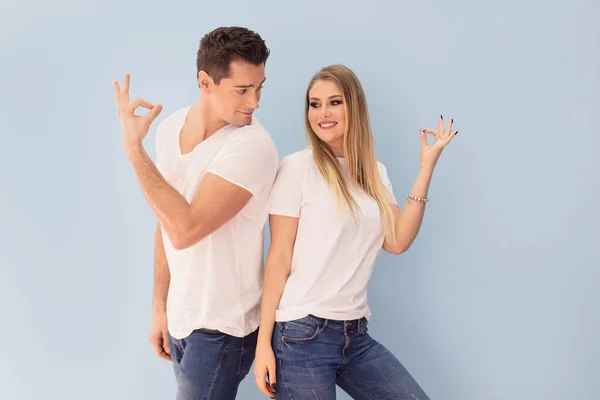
(498, 298)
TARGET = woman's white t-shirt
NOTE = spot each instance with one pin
(335, 252)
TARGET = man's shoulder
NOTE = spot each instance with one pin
(254, 130)
(254, 136)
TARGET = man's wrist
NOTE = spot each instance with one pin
(159, 307)
(134, 148)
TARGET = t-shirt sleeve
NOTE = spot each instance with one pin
(250, 163)
(386, 182)
(286, 194)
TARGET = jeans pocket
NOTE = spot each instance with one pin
(300, 330)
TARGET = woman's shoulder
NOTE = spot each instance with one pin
(299, 159)
(381, 167)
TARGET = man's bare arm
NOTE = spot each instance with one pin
(159, 333)
(186, 224)
(162, 275)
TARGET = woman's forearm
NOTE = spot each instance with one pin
(409, 220)
(276, 275)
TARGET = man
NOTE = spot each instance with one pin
(210, 191)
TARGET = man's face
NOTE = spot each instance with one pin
(236, 97)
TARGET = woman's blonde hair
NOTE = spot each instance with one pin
(359, 151)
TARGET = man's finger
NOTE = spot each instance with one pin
(117, 91)
(151, 116)
(162, 353)
(165, 356)
(131, 107)
(158, 348)
(145, 104)
(166, 344)
(141, 103)
(125, 91)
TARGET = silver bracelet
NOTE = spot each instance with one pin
(413, 197)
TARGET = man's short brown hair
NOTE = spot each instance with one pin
(221, 46)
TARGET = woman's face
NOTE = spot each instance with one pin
(327, 114)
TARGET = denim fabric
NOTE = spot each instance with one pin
(314, 355)
(210, 365)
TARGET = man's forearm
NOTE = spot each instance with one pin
(162, 275)
(169, 205)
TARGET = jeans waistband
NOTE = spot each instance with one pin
(340, 325)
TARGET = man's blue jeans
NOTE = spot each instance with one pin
(210, 365)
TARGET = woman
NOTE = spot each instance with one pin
(332, 210)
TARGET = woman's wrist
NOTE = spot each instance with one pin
(427, 169)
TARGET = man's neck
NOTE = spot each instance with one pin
(204, 120)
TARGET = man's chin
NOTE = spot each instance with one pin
(240, 121)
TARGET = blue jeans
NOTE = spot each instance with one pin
(314, 355)
(210, 365)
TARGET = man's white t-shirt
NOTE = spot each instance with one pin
(216, 283)
(335, 252)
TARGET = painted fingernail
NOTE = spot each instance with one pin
(274, 387)
(452, 120)
(455, 133)
(441, 116)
